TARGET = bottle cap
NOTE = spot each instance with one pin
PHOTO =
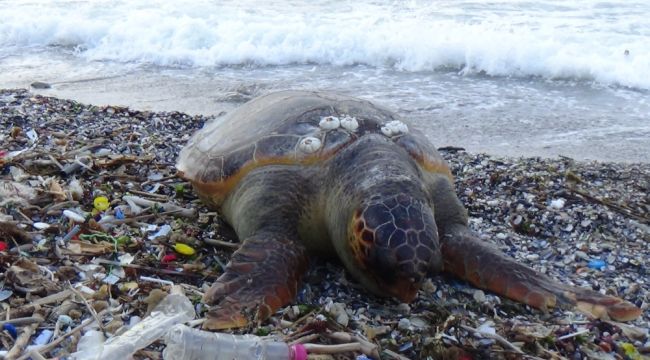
(298, 352)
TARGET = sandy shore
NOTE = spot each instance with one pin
(513, 133)
(559, 216)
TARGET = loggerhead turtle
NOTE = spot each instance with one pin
(299, 172)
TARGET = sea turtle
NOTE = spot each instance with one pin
(298, 172)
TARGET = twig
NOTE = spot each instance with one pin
(22, 321)
(22, 340)
(167, 206)
(221, 243)
(394, 355)
(138, 217)
(496, 337)
(151, 195)
(577, 333)
(367, 347)
(91, 310)
(159, 281)
(35, 355)
(620, 209)
(27, 218)
(148, 268)
(55, 161)
(304, 339)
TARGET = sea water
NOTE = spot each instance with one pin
(517, 78)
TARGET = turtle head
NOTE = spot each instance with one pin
(394, 241)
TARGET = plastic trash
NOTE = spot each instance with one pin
(11, 329)
(597, 264)
(74, 216)
(101, 203)
(174, 309)
(163, 231)
(44, 337)
(90, 345)
(184, 249)
(186, 343)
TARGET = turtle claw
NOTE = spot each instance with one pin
(262, 276)
(606, 307)
(216, 320)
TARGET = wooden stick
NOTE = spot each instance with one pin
(22, 321)
(148, 268)
(35, 355)
(22, 340)
(367, 347)
(221, 243)
(496, 337)
(91, 310)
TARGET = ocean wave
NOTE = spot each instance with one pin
(407, 39)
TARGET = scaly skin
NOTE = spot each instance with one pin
(391, 216)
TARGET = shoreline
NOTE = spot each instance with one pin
(555, 215)
(509, 131)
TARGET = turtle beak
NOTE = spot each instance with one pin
(405, 290)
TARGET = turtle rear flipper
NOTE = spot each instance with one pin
(485, 267)
(262, 276)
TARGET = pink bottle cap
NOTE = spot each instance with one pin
(298, 352)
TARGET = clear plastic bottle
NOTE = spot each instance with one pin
(185, 343)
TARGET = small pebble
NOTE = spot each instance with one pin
(404, 324)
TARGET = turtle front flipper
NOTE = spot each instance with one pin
(264, 209)
(486, 267)
(262, 276)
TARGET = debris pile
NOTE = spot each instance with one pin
(96, 231)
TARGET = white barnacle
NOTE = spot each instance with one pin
(329, 122)
(309, 144)
(349, 123)
(394, 127)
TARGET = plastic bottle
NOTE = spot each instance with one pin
(185, 343)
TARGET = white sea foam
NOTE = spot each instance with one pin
(550, 39)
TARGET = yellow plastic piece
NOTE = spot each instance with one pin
(631, 351)
(101, 203)
(184, 249)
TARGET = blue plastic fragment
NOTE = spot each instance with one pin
(11, 329)
(44, 337)
(119, 214)
(597, 264)
(406, 346)
(363, 357)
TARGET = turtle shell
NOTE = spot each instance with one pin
(290, 127)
